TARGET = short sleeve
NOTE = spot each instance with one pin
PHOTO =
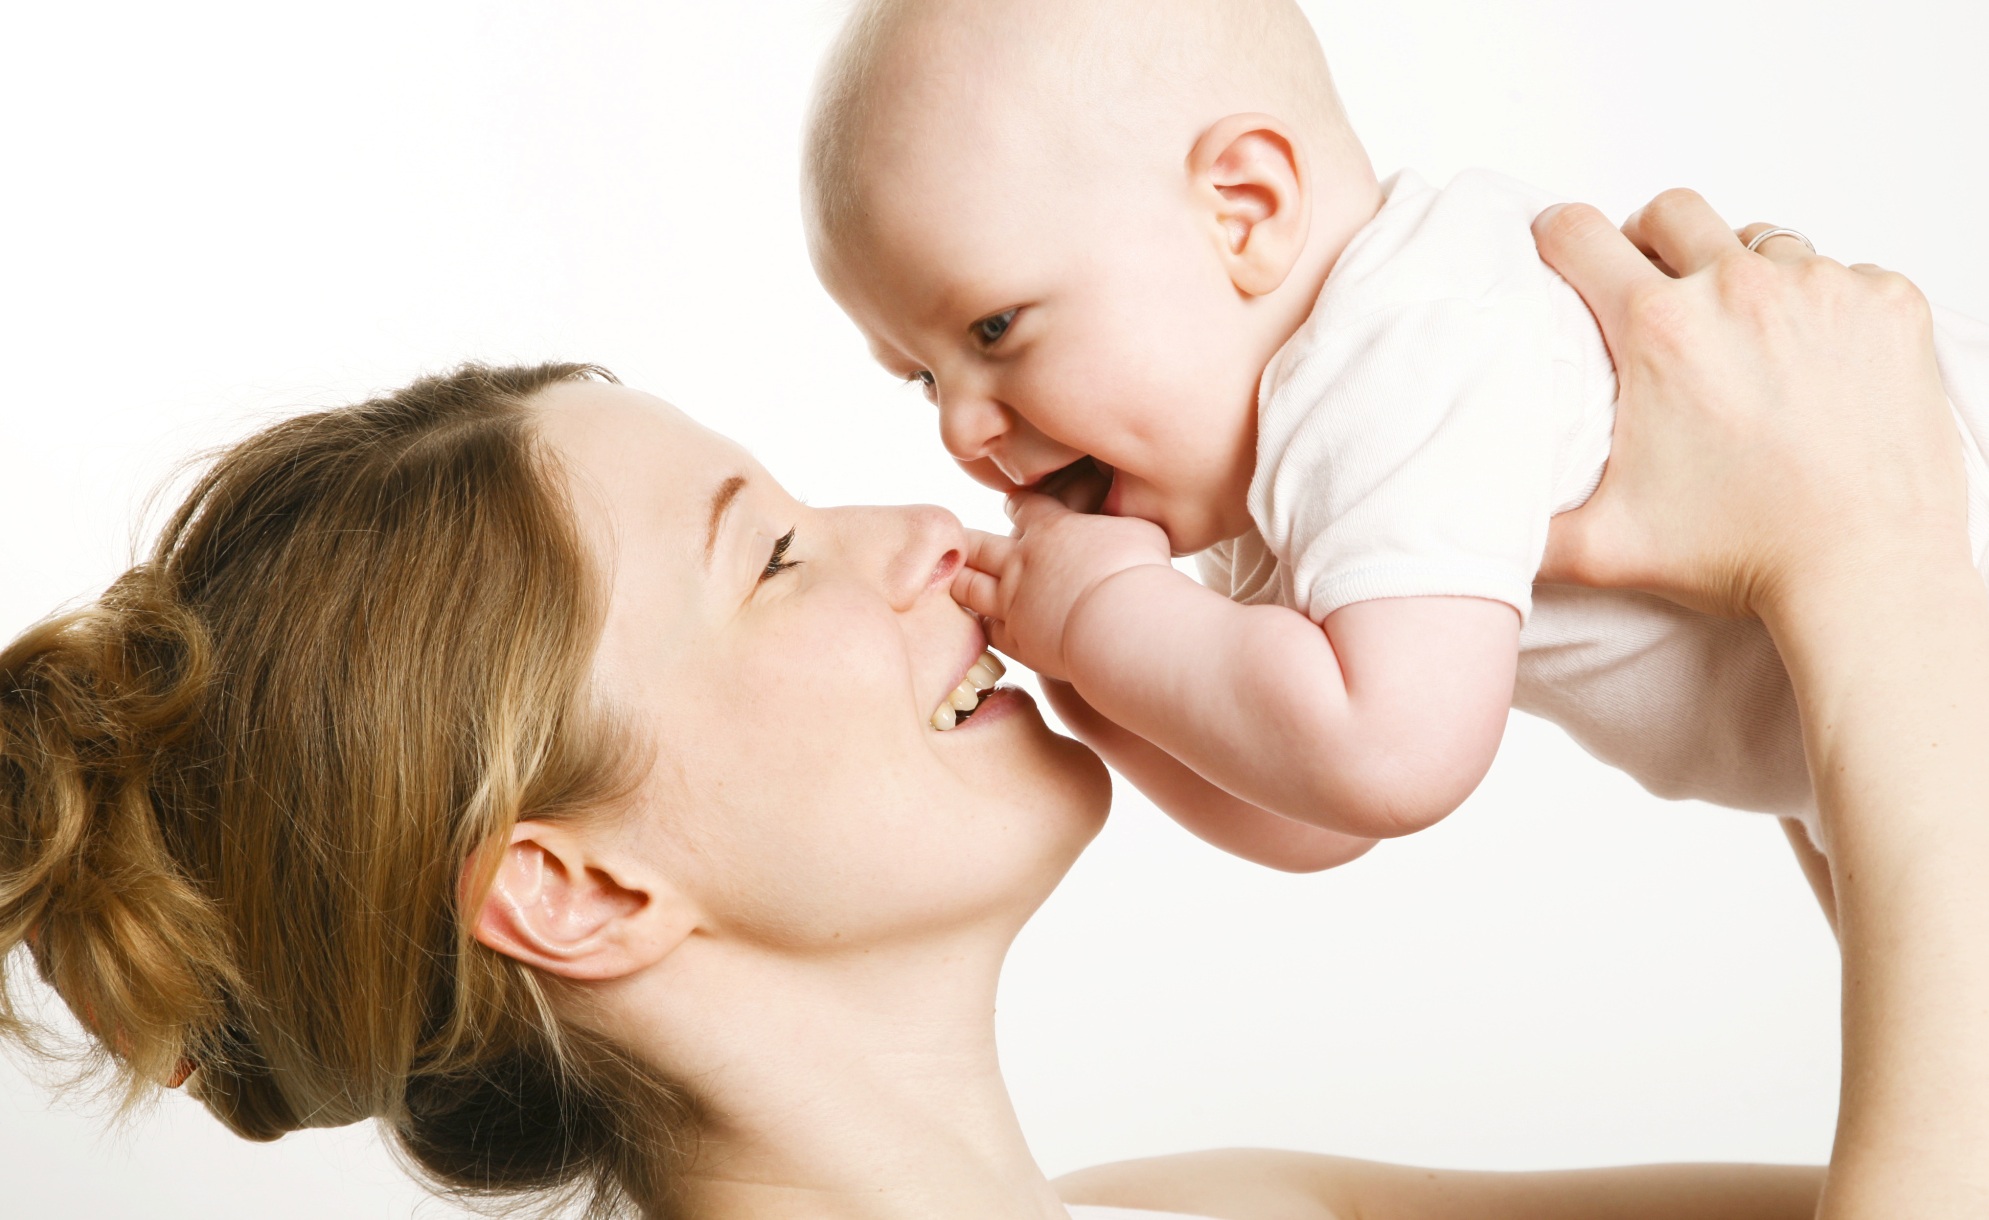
(1412, 433)
(1412, 453)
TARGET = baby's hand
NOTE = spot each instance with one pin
(1028, 586)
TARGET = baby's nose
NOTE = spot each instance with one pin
(969, 425)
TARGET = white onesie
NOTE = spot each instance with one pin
(1448, 395)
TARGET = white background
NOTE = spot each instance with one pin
(215, 213)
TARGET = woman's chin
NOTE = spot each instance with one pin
(1025, 758)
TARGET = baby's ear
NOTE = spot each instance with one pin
(575, 907)
(1250, 182)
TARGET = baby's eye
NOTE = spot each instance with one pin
(989, 330)
(926, 382)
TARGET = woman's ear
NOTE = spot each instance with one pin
(558, 903)
(1247, 173)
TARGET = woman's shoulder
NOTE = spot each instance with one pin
(1219, 1184)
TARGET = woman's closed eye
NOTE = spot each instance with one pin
(778, 562)
(989, 330)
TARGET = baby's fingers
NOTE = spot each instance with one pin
(1002, 642)
(1029, 509)
(977, 585)
(988, 552)
(977, 591)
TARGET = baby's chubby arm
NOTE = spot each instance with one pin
(1376, 725)
(1204, 810)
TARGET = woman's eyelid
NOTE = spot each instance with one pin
(777, 560)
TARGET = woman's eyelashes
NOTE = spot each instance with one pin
(778, 562)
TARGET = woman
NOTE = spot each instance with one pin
(512, 760)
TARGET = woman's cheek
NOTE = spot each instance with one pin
(835, 671)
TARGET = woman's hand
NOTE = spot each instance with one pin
(1783, 447)
(1778, 413)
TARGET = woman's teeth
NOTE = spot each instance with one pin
(967, 696)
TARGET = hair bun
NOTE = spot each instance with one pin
(91, 704)
(238, 791)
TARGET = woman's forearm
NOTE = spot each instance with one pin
(1891, 663)
(1784, 447)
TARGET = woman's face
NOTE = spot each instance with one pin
(800, 793)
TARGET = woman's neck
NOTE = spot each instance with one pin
(863, 1087)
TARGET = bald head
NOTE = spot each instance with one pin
(1105, 84)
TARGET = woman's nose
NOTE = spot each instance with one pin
(916, 549)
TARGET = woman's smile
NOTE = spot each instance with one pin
(974, 686)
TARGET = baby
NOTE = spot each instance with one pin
(1137, 257)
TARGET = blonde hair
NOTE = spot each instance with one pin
(240, 792)
(1108, 61)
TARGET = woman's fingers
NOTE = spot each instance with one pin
(1681, 229)
(1581, 244)
(1771, 406)
(1783, 247)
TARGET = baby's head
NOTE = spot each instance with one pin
(1085, 226)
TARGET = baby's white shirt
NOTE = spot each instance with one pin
(1448, 395)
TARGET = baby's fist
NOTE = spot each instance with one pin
(1029, 585)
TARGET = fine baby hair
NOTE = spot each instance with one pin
(240, 791)
(1117, 74)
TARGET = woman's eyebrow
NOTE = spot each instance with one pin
(721, 501)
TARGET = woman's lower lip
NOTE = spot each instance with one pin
(997, 704)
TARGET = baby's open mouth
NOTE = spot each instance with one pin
(1081, 486)
(959, 705)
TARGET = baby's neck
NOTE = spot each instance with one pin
(1345, 197)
